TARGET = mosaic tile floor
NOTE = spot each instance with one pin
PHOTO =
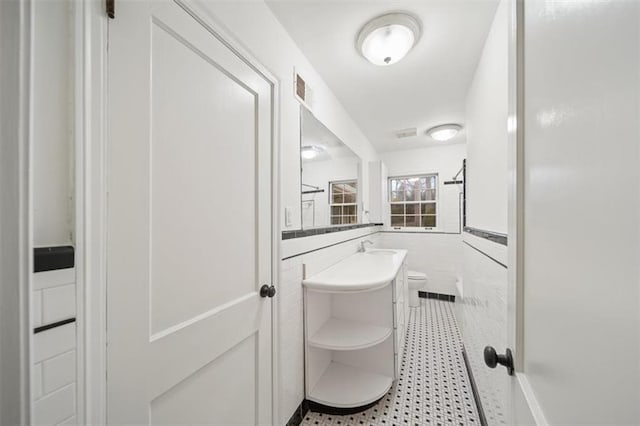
(433, 388)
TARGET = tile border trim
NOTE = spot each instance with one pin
(301, 233)
(481, 252)
(327, 246)
(53, 325)
(474, 388)
(495, 237)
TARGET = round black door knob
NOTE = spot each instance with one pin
(267, 291)
(492, 359)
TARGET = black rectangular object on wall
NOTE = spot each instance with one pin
(52, 258)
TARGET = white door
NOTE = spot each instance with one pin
(189, 224)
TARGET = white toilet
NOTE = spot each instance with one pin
(417, 281)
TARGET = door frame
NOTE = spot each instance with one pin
(16, 218)
(524, 403)
(92, 193)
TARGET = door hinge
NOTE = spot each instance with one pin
(111, 8)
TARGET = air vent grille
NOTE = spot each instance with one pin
(302, 91)
(406, 133)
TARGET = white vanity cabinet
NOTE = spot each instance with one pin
(401, 313)
(355, 321)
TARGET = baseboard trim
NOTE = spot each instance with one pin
(438, 296)
(474, 389)
(298, 416)
(326, 409)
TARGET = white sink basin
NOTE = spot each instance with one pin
(381, 252)
(366, 271)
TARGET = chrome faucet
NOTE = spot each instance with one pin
(361, 248)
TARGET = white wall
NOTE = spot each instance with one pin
(486, 127)
(256, 28)
(482, 317)
(582, 205)
(439, 255)
(52, 122)
(482, 311)
(54, 378)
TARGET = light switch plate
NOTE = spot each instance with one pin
(287, 216)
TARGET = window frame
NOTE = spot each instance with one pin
(435, 201)
(332, 204)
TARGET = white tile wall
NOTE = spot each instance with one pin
(53, 342)
(54, 350)
(59, 371)
(55, 407)
(482, 317)
(290, 304)
(437, 255)
(36, 380)
(58, 303)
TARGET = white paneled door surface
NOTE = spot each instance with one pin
(189, 224)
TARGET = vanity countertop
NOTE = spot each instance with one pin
(366, 271)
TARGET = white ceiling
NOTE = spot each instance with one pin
(426, 88)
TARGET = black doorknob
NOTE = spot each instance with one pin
(267, 291)
(492, 359)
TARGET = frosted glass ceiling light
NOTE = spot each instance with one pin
(309, 152)
(444, 132)
(388, 38)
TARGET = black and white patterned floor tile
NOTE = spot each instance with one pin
(433, 388)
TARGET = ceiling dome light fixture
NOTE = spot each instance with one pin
(444, 132)
(388, 38)
(309, 152)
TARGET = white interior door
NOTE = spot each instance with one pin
(189, 224)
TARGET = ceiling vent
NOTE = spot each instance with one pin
(406, 133)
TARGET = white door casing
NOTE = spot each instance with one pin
(189, 224)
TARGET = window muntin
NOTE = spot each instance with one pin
(413, 201)
(343, 202)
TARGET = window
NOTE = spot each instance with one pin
(343, 196)
(413, 201)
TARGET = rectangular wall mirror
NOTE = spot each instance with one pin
(331, 190)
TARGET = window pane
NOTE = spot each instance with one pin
(394, 184)
(429, 208)
(431, 182)
(336, 210)
(412, 221)
(336, 193)
(397, 196)
(350, 219)
(349, 210)
(350, 187)
(431, 194)
(412, 208)
(412, 189)
(397, 208)
(429, 221)
(397, 220)
(423, 188)
(335, 220)
(349, 198)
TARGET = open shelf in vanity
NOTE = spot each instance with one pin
(354, 329)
